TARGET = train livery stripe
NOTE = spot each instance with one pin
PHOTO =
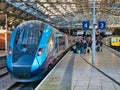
(9, 57)
(44, 43)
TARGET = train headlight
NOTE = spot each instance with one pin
(35, 65)
(40, 51)
(9, 51)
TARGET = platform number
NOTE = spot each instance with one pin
(85, 25)
(101, 25)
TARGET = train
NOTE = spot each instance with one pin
(32, 48)
(113, 41)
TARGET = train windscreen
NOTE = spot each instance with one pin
(27, 39)
(28, 36)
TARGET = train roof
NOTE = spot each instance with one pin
(30, 23)
(36, 24)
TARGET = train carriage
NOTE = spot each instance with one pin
(113, 42)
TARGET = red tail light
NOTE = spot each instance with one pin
(10, 51)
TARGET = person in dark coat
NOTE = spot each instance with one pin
(101, 45)
(77, 46)
(81, 47)
(84, 46)
(89, 46)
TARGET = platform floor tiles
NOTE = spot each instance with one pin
(73, 73)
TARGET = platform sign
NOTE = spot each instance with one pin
(101, 25)
(85, 25)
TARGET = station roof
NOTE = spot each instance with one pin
(59, 13)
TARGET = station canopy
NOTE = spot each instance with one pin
(59, 13)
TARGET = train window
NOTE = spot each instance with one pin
(116, 39)
(112, 39)
(28, 35)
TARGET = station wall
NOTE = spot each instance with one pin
(3, 40)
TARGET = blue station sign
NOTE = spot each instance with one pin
(101, 25)
(85, 25)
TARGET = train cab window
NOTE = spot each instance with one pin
(27, 38)
(28, 35)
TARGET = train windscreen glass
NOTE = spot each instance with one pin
(28, 35)
(27, 39)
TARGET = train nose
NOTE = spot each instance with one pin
(22, 66)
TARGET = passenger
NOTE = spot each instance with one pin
(84, 46)
(81, 47)
(101, 45)
(77, 46)
(89, 44)
(98, 45)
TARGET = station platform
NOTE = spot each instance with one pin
(73, 73)
(3, 53)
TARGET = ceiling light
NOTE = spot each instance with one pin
(10, 12)
(1, 11)
(10, 23)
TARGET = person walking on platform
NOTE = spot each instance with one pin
(89, 44)
(81, 47)
(84, 46)
(77, 47)
(97, 46)
(101, 45)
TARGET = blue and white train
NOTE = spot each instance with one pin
(33, 45)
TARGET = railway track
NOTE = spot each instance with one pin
(23, 86)
(3, 66)
(3, 69)
(5, 81)
(3, 72)
(3, 58)
(2, 62)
